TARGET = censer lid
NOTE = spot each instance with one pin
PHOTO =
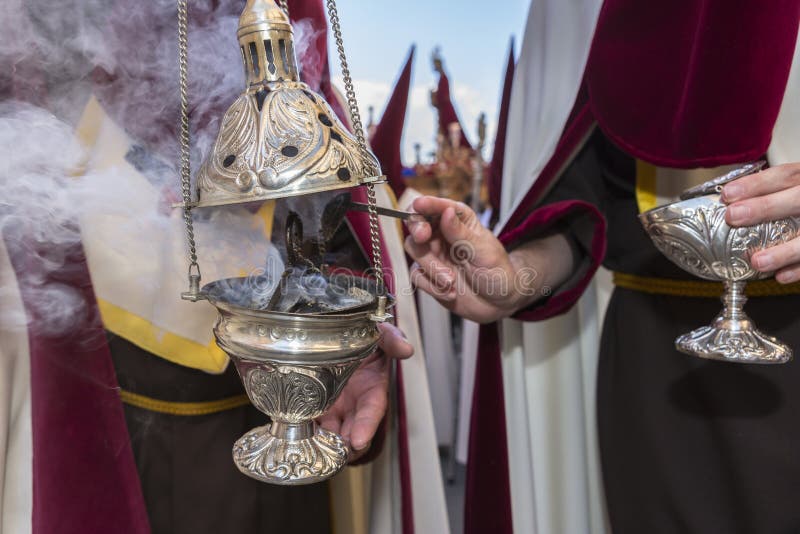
(715, 185)
(279, 138)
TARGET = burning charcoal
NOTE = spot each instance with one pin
(287, 293)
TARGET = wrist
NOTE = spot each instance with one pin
(539, 264)
(522, 287)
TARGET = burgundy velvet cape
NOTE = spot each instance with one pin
(84, 478)
(680, 84)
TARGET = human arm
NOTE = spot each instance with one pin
(469, 270)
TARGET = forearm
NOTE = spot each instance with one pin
(541, 266)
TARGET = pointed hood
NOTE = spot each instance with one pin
(444, 104)
(388, 132)
(495, 177)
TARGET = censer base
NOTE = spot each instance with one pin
(290, 454)
(733, 341)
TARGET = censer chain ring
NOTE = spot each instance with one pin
(183, 47)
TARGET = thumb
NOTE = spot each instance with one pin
(393, 343)
(458, 224)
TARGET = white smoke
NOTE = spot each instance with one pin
(50, 200)
(36, 217)
(55, 56)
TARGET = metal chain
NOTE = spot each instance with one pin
(183, 65)
(374, 234)
(358, 130)
(284, 6)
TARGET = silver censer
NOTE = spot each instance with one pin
(280, 139)
(293, 367)
(693, 234)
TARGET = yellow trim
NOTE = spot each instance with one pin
(183, 408)
(646, 196)
(88, 128)
(87, 131)
(138, 330)
(167, 345)
(267, 214)
(700, 288)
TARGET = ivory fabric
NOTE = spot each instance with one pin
(436, 332)
(427, 489)
(137, 254)
(16, 434)
(785, 146)
(555, 49)
(466, 382)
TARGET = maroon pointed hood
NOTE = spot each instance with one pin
(495, 181)
(388, 132)
(447, 111)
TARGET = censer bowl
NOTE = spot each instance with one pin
(693, 234)
(293, 367)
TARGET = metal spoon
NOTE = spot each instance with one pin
(346, 200)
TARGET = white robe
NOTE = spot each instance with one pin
(427, 495)
(16, 447)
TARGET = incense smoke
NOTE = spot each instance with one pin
(54, 57)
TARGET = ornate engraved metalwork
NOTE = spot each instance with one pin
(292, 393)
(747, 346)
(268, 458)
(287, 393)
(293, 368)
(281, 141)
(279, 138)
(693, 234)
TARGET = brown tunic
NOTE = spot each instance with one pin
(687, 445)
(189, 480)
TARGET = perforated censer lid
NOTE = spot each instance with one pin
(279, 138)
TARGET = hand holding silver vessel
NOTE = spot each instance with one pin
(733, 244)
(771, 194)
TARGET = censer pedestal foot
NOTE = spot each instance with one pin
(733, 345)
(732, 337)
(290, 454)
